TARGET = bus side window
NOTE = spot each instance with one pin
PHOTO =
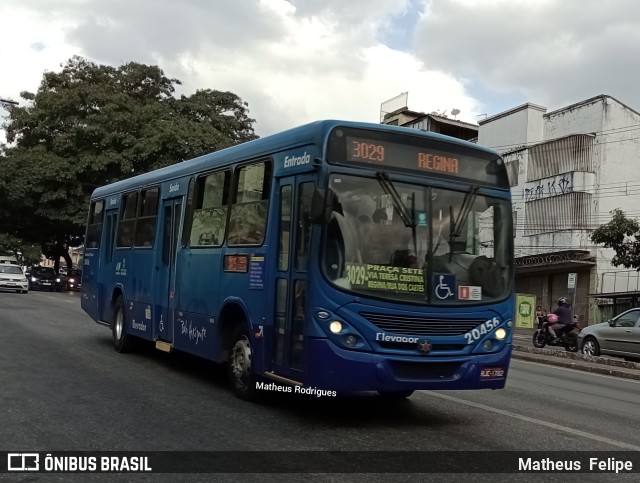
(248, 218)
(303, 227)
(147, 218)
(94, 231)
(188, 215)
(124, 238)
(285, 227)
(208, 221)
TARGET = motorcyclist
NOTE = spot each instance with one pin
(564, 317)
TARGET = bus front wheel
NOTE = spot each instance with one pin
(121, 340)
(239, 367)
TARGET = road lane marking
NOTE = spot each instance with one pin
(547, 424)
(520, 361)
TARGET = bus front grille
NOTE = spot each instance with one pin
(421, 326)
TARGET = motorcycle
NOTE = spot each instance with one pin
(568, 337)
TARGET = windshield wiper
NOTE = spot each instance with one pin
(455, 226)
(390, 190)
(465, 209)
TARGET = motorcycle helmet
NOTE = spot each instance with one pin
(552, 318)
(563, 301)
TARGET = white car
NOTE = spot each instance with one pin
(13, 278)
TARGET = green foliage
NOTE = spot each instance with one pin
(623, 235)
(25, 253)
(89, 125)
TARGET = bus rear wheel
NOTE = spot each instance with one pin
(121, 340)
(395, 395)
(240, 368)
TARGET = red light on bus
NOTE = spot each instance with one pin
(235, 263)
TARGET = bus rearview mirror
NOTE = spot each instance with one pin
(322, 205)
(495, 167)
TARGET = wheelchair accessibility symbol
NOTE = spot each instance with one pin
(444, 286)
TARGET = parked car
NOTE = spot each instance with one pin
(619, 336)
(44, 278)
(73, 279)
(10, 259)
(13, 278)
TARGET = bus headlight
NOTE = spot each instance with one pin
(501, 333)
(335, 327)
(487, 345)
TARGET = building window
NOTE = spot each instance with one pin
(513, 168)
(571, 211)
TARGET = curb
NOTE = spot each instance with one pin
(577, 361)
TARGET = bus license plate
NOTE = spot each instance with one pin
(492, 373)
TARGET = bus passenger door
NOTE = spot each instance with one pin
(163, 297)
(106, 269)
(292, 275)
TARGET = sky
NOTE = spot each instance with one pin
(296, 61)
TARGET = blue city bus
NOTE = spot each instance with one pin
(332, 258)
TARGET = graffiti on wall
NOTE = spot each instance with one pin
(545, 188)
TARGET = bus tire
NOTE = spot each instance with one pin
(240, 368)
(121, 340)
(395, 395)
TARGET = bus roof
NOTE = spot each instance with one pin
(313, 132)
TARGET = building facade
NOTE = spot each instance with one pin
(433, 123)
(569, 169)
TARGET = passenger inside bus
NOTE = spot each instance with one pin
(367, 230)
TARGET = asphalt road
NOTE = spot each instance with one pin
(64, 388)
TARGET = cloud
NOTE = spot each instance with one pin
(319, 69)
(292, 61)
(30, 45)
(553, 52)
(146, 29)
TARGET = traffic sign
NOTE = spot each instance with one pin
(571, 282)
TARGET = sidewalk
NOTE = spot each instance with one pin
(523, 349)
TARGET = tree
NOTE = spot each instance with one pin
(91, 125)
(25, 253)
(623, 235)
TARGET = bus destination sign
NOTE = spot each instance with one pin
(417, 153)
(366, 151)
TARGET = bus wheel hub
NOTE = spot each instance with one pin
(241, 358)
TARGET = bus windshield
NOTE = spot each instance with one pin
(417, 243)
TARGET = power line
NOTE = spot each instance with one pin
(7, 101)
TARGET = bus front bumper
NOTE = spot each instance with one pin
(343, 371)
